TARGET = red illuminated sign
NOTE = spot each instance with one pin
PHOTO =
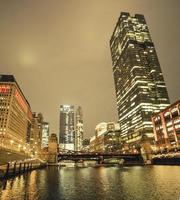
(21, 101)
(4, 89)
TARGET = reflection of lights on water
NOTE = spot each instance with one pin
(103, 175)
(11, 188)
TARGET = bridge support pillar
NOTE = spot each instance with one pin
(52, 158)
(100, 160)
(146, 151)
(53, 149)
(79, 163)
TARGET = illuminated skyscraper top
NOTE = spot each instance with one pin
(139, 83)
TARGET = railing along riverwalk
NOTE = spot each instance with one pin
(17, 168)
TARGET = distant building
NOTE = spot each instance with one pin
(139, 83)
(166, 126)
(107, 138)
(79, 129)
(112, 138)
(36, 133)
(85, 145)
(66, 129)
(92, 144)
(15, 115)
(53, 148)
(45, 134)
(53, 143)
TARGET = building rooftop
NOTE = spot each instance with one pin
(10, 78)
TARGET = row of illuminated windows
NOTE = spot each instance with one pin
(3, 122)
(167, 117)
(169, 129)
(17, 122)
(4, 103)
(177, 121)
(5, 94)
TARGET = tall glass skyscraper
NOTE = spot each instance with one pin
(139, 84)
(66, 129)
(45, 134)
(79, 129)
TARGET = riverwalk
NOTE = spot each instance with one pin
(19, 167)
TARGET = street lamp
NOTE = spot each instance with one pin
(11, 142)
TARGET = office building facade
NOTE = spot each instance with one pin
(139, 83)
(107, 138)
(36, 133)
(15, 116)
(79, 129)
(66, 129)
(166, 126)
(45, 134)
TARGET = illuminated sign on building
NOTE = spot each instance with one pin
(4, 88)
(21, 101)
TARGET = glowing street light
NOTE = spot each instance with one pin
(11, 142)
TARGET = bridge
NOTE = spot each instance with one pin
(100, 157)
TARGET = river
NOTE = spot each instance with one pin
(112, 183)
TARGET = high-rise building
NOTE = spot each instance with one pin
(15, 115)
(45, 134)
(79, 129)
(36, 133)
(66, 129)
(139, 83)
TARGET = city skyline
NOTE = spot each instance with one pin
(84, 58)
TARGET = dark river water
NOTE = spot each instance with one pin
(112, 183)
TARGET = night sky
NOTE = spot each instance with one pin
(59, 52)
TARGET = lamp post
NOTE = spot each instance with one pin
(19, 147)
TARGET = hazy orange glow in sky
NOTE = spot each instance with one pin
(59, 52)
